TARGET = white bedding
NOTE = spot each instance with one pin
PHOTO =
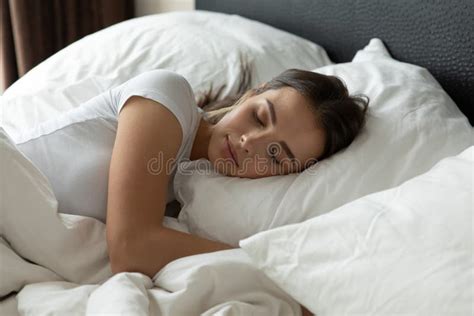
(59, 263)
(72, 274)
(70, 251)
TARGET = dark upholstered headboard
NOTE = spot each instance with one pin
(435, 34)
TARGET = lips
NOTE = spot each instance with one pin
(232, 151)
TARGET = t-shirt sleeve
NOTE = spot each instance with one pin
(166, 87)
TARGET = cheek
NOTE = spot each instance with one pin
(250, 168)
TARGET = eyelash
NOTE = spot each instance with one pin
(273, 158)
(257, 119)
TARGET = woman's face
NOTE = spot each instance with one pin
(273, 133)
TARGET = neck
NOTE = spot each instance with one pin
(201, 141)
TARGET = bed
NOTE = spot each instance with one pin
(390, 235)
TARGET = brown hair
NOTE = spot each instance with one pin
(342, 116)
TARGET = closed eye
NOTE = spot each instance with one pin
(257, 119)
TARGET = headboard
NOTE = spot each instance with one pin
(435, 34)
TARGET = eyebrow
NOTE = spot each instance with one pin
(283, 144)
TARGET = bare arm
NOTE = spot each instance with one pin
(136, 239)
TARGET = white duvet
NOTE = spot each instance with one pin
(58, 263)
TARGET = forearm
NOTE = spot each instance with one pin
(151, 250)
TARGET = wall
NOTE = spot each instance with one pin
(146, 7)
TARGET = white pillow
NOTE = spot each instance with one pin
(404, 251)
(205, 47)
(412, 124)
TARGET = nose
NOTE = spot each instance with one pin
(252, 144)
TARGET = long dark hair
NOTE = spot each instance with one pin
(341, 115)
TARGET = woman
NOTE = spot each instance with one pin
(110, 153)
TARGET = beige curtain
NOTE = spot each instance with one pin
(33, 30)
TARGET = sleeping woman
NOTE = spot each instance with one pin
(114, 157)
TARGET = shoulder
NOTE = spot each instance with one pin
(142, 122)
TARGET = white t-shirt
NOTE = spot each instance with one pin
(74, 149)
